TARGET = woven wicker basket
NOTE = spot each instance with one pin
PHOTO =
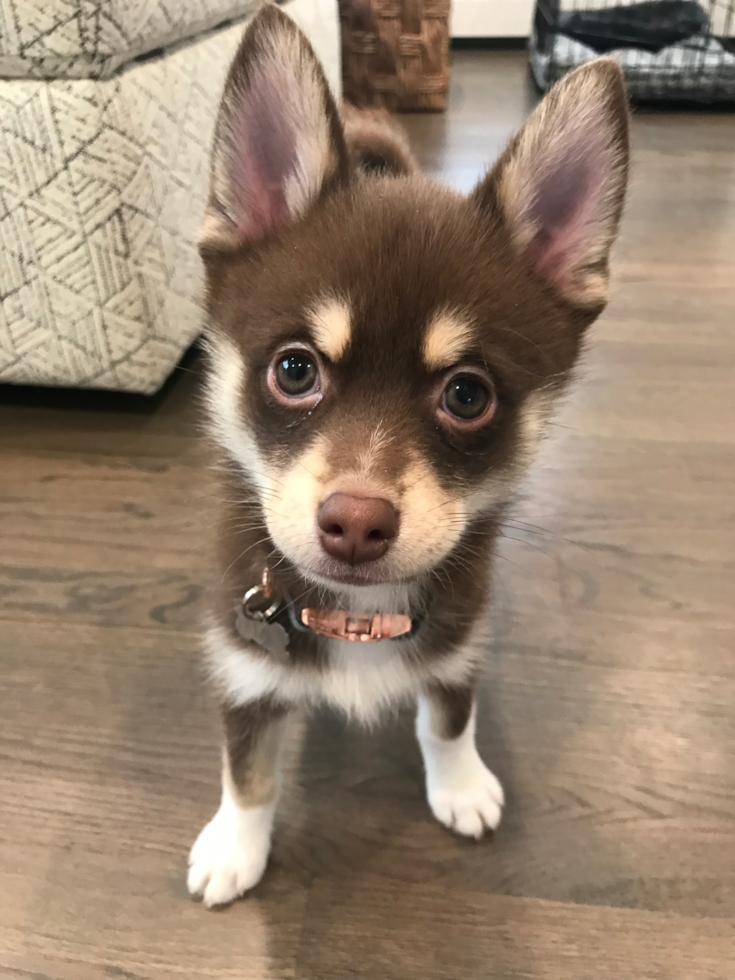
(395, 53)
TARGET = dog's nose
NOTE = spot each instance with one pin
(356, 529)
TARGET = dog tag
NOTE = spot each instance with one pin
(272, 637)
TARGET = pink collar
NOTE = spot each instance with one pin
(335, 623)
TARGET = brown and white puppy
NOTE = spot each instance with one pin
(384, 353)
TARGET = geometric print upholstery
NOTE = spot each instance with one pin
(93, 38)
(101, 191)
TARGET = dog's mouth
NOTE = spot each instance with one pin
(333, 572)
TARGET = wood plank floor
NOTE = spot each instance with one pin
(608, 706)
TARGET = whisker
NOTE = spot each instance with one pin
(242, 555)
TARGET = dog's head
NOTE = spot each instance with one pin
(384, 351)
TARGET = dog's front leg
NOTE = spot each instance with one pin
(463, 794)
(230, 854)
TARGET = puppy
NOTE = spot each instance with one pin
(383, 355)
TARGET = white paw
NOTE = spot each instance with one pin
(468, 799)
(230, 855)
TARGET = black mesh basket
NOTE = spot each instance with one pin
(668, 49)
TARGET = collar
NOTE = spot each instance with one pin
(259, 604)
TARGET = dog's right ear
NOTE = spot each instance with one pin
(278, 142)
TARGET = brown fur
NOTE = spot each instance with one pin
(398, 250)
(429, 249)
(376, 143)
(451, 708)
(252, 737)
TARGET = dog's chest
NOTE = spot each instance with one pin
(363, 678)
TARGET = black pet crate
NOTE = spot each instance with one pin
(669, 49)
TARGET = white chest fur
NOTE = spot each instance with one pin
(361, 679)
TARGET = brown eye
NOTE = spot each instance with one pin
(466, 398)
(296, 374)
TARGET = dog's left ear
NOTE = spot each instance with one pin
(560, 185)
(278, 142)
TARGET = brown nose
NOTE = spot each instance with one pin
(356, 529)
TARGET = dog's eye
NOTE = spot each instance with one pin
(466, 398)
(296, 374)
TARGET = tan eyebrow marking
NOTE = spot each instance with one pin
(447, 338)
(331, 324)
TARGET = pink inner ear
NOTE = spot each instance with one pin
(566, 210)
(262, 155)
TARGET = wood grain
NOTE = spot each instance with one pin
(480, 936)
(608, 704)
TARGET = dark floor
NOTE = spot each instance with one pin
(608, 709)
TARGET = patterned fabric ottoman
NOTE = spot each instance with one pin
(106, 113)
